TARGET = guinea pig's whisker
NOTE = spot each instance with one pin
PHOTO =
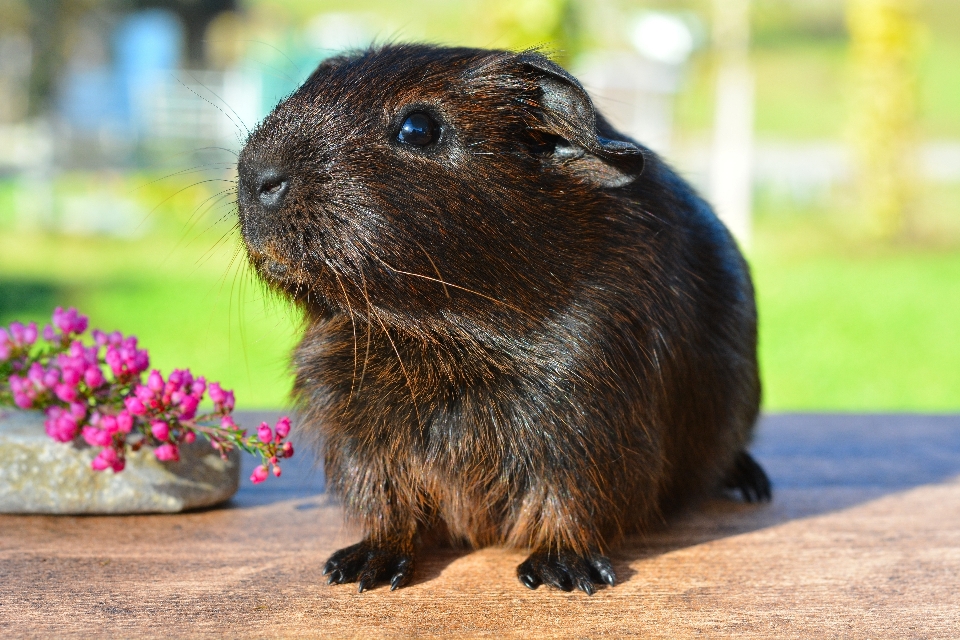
(434, 265)
(195, 169)
(225, 103)
(225, 114)
(403, 369)
(230, 151)
(366, 356)
(206, 255)
(178, 192)
(450, 284)
(353, 324)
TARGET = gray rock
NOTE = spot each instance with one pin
(40, 475)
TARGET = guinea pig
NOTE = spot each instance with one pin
(521, 327)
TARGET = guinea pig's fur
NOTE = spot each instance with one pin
(528, 331)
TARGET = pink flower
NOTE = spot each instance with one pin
(51, 378)
(78, 411)
(124, 422)
(135, 407)
(264, 433)
(93, 377)
(141, 361)
(17, 383)
(68, 380)
(35, 373)
(188, 407)
(114, 361)
(71, 376)
(160, 430)
(259, 475)
(106, 459)
(143, 394)
(69, 321)
(30, 333)
(155, 381)
(109, 424)
(167, 452)
(216, 393)
(65, 392)
(60, 425)
(96, 437)
(17, 333)
(283, 428)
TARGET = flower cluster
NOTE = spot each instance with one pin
(96, 391)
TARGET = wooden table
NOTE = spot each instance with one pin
(862, 540)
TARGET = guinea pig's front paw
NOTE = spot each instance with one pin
(368, 564)
(566, 570)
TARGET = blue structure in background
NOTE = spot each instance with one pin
(94, 99)
(146, 43)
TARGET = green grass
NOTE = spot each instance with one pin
(848, 325)
(860, 333)
(187, 303)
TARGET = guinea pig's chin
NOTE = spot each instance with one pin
(275, 272)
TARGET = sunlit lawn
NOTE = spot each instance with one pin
(188, 309)
(861, 331)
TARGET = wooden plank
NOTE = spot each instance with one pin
(862, 539)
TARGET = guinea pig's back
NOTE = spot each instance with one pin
(705, 333)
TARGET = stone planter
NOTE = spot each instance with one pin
(40, 475)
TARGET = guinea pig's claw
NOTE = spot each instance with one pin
(749, 478)
(368, 565)
(566, 570)
(603, 569)
(527, 577)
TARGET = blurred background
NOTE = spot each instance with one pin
(826, 132)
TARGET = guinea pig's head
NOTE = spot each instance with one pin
(432, 185)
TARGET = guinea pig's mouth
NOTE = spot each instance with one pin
(274, 271)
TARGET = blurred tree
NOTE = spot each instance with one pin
(53, 21)
(552, 25)
(883, 43)
(195, 15)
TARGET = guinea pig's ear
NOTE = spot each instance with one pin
(567, 113)
(328, 65)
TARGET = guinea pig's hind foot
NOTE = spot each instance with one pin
(368, 564)
(749, 478)
(566, 570)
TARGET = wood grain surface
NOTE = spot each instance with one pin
(862, 540)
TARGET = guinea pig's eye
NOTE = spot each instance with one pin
(418, 129)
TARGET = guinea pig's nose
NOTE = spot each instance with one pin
(270, 186)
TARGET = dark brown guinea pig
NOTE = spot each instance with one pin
(522, 328)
